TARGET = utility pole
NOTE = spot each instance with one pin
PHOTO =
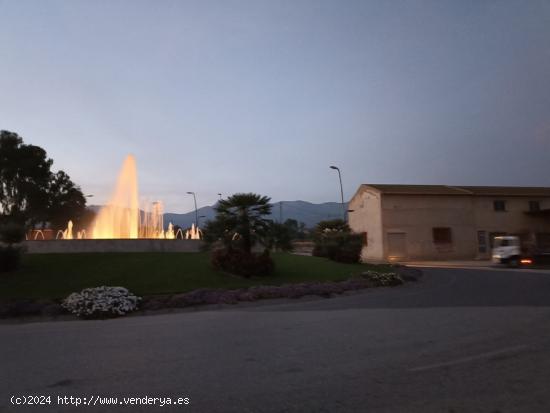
(341, 191)
(196, 210)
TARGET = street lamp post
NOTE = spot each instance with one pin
(196, 211)
(341, 190)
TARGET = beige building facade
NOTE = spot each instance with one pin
(439, 222)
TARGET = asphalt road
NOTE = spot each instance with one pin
(458, 341)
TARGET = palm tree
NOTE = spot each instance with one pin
(243, 214)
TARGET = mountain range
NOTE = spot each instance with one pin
(308, 213)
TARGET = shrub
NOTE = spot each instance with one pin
(334, 240)
(10, 256)
(101, 302)
(12, 233)
(339, 246)
(240, 262)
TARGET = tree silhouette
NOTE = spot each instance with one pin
(241, 218)
(29, 192)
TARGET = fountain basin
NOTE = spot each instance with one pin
(61, 246)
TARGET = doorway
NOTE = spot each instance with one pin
(397, 245)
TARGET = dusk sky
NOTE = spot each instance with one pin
(262, 96)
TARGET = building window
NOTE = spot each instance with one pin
(499, 206)
(534, 206)
(442, 235)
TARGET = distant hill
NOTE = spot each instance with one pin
(302, 211)
(185, 220)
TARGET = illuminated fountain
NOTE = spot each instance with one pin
(68, 233)
(179, 233)
(169, 234)
(193, 233)
(122, 217)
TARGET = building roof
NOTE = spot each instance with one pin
(418, 189)
(508, 190)
(461, 190)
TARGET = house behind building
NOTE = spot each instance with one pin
(439, 222)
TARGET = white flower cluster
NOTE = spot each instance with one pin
(384, 278)
(101, 301)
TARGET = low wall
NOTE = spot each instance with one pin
(112, 245)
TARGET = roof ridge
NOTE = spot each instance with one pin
(460, 188)
(471, 190)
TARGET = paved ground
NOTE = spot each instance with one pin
(453, 264)
(458, 341)
(475, 265)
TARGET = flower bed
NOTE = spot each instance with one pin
(383, 279)
(105, 302)
(101, 302)
(368, 279)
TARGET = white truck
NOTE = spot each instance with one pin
(509, 250)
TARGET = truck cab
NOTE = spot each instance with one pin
(506, 250)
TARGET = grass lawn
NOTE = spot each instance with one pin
(57, 275)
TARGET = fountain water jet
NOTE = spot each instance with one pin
(193, 233)
(120, 217)
(169, 234)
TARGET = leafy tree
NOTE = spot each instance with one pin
(66, 201)
(331, 225)
(86, 219)
(240, 220)
(279, 237)
(297, 229)
(29, 191)
(218, 230)
(24, 179)
(291, 226)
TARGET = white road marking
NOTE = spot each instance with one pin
(468, 359)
